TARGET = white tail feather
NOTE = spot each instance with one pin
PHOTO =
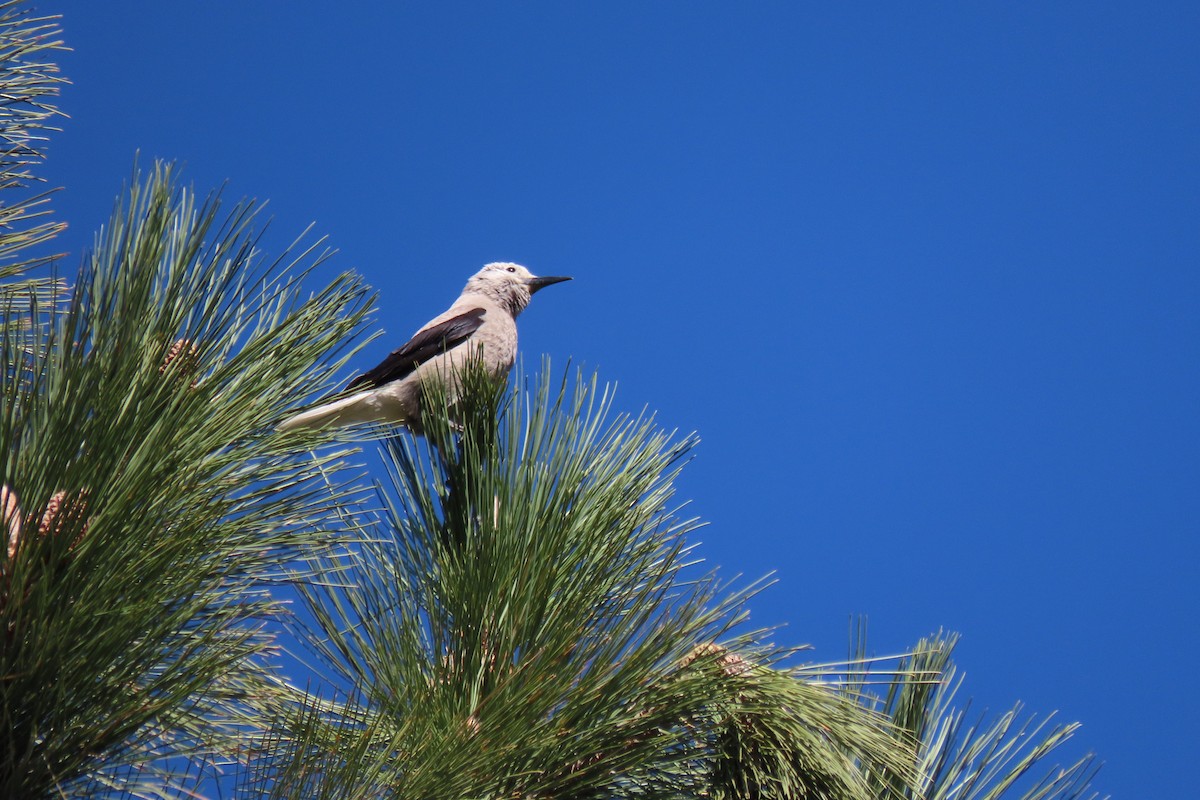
(348, 410)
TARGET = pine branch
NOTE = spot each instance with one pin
(153, 498)
(989, 759)
(28, 85)
(523, 621)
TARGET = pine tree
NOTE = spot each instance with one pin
(514, 611)
(146, 503)
(525, 621)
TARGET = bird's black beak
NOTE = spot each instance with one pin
(540, 283)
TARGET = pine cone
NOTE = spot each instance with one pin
(186, 358)
(730, 663)
(10, 515)
(60, 516)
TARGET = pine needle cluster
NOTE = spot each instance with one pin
(525, 620)
(147, 501)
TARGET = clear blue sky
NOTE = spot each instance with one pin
(924, 277)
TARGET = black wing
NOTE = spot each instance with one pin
(425, 345)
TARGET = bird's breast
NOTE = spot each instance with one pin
(497, 338)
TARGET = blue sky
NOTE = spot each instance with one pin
(925, 278)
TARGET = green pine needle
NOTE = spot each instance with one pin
(155, 500)
(525, 621)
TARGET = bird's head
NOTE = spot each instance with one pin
(510, 285)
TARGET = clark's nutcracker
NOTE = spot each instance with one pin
(482, 323)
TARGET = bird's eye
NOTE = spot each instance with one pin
(512, 269)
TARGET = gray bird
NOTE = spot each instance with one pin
(482, 323)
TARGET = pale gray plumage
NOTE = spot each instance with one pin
(482, 323)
